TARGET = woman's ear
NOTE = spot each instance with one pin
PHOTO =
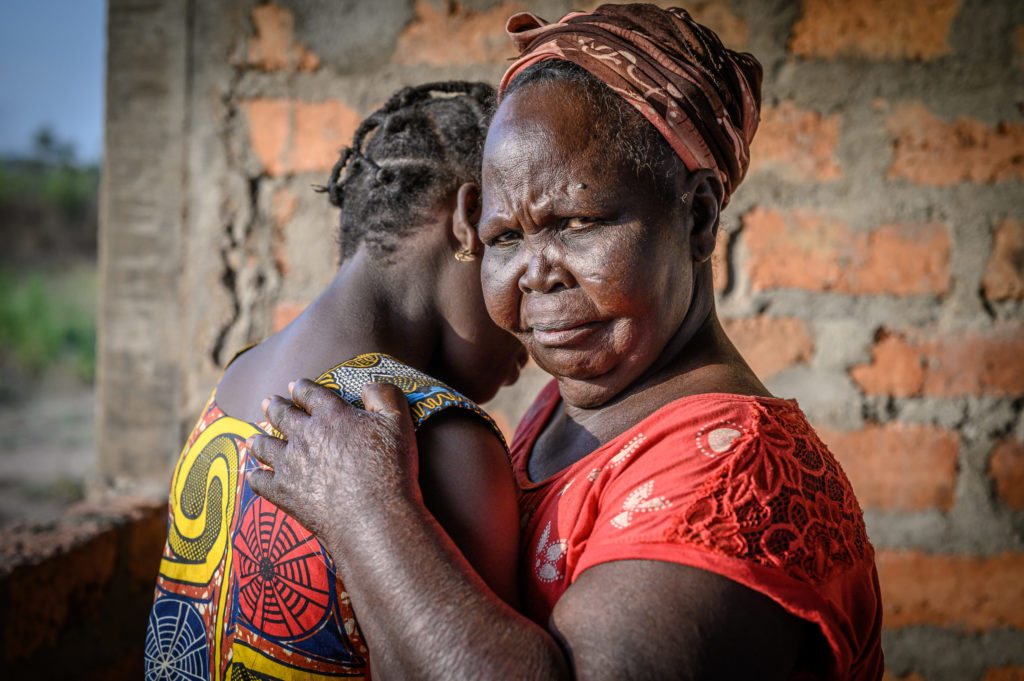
(466, 217)
(704, 194)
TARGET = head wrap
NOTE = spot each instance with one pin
(702, 97)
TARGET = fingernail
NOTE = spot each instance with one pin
(264, 404)
(249, 441)
(291, 386)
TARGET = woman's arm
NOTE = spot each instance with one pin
(467, 485)
(433, 617)
(423, 609)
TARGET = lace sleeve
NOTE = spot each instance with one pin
(759, 500)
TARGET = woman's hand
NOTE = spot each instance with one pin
(335, 460)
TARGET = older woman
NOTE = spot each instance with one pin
(679, 521)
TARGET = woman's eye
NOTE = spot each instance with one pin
(580, 223)
(504, 238)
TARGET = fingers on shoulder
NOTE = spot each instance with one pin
(384, 398)
(312, 396)
(284, 415)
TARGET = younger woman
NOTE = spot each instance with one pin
(244, 591)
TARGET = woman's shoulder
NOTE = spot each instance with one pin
(761, 464)
(714, 420)
(427, 396)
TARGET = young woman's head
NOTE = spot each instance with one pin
(407, 157)
(409, 179)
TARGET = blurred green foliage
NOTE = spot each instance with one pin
(72, 190)
(48, 224)
(47, 321)
(49, 204)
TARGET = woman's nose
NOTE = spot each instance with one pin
(543, 272)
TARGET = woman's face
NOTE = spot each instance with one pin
(585, 261)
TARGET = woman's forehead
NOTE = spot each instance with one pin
(549, 123)
(556, 108)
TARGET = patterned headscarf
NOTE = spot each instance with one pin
(703, 98)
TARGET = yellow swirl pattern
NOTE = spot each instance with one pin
(203, 492)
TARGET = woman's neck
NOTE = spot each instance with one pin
(699, 358)
(367, 307)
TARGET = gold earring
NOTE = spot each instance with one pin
(465, 255)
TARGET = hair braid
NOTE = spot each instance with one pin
(413, 151)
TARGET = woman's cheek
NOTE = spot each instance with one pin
(501, 291)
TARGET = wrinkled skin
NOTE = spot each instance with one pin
(319, 490)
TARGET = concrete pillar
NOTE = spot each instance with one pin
(141, 221)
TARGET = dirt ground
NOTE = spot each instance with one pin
(47, 450)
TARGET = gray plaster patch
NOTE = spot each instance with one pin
(949, 413)
(841, 343)
(947, 655)
(348, 35)
(829, 398)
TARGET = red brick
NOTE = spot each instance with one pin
(977, 364)
(1004, 275)
(899, 259)
(720, 261)
(874, 29)
(770, 344)
(809, 251)
(965, 592)
(1004, 674)
(449, 34)
(898, 466)
(1006, 468)
(273, 48)
(800, 143)
(291, 136)
(896, 368)
(796, 250)
(968, 363)
(321, 130)
(284, 313)
(928, 150)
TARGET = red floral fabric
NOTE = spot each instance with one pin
(740, 486)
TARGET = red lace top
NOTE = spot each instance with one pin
(740, 486)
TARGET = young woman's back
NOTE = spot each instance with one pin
(242, 586)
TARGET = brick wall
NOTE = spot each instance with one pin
(870, 266)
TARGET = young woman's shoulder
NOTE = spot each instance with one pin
(467, 485)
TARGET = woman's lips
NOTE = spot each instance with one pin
(560, 334)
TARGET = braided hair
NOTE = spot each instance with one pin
(422, 144)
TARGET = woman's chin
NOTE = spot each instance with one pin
(586, 393)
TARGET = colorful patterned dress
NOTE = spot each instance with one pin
(244, 591)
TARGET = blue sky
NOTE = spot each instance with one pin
(52, 59)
